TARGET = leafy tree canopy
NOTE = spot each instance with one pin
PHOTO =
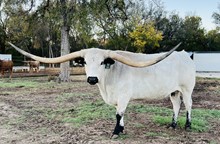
(144, 36)
(123, 24)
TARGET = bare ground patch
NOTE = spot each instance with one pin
(34, 114)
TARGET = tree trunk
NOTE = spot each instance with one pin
(64, 67)
(65, 48)
(2, 42)
(2, 47)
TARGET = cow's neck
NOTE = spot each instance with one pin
(106, 88)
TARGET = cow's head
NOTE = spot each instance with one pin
(97, 62)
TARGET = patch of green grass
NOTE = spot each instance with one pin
(14, 121)
(151, 134)
(88, 112)
(124, 136)
(213, 142)
(162, 120)
(150, 109)
(29, 82)
(198, 125)
(19, 83)
(139, 125)
(84, 113)
(163, 116)
(206, 113)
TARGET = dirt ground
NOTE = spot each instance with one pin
(23, 120)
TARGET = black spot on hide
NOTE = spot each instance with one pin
(173, 94)
(192, 56)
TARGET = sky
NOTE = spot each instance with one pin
(202, 8)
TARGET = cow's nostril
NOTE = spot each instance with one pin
(92, 80)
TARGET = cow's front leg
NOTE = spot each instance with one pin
(120, 110)
(119, 126)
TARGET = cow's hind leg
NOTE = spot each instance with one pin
(11, 71)
(3, 74)
(187, 99)
(176, 101)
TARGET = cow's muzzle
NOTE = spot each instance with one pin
(92, 80)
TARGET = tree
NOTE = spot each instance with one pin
(110, 19)
(3, 36)
(213, 40)
(193, 36)
(172, 29)
(145, 36)
(65, 48)
(111, 24)
(34, 28)
(187, 30)
(216, 16)
(60, 12)
(21, 28)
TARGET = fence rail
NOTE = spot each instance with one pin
(207, 62)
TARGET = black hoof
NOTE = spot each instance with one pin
(118, 129)
(121, 129)
(114, 136)
(188, 126)
(172, 125)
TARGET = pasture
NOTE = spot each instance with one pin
(35, 111)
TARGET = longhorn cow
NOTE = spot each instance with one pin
(33, 65)
(6, 65)
(122, 76)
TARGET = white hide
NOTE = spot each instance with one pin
(121, 83)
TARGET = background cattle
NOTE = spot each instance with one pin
(6, 65)
(33, 65)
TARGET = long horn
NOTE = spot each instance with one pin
(49, 60)
(132, 63)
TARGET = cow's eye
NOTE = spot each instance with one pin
(80, 61)
(108, 62)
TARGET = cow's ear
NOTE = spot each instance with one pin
(108, 62)
(80, 60)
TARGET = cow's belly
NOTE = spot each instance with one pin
(153, 90)
(157, 94)
(148, 86)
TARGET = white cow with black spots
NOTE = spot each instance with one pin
(122, 76)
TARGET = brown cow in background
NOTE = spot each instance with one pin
(6, 65)
(33, 65)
